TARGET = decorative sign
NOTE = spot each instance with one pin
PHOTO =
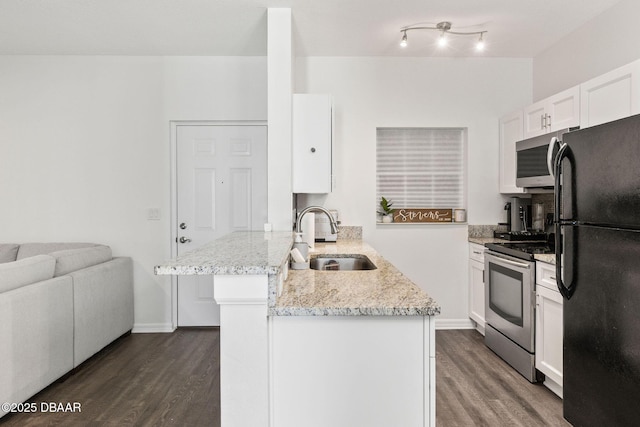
(423, 215)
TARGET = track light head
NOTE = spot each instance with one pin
(480, 44)
(403, 42)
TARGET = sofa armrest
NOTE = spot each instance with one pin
(103, 306)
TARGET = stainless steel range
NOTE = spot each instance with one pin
(510, 303)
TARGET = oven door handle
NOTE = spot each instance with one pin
(508, 261)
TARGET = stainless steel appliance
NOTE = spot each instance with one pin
(510, 303)
(534, 159)
(598, 272)
(519, 214)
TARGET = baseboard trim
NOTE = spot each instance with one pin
(152, 328)
(443, 324)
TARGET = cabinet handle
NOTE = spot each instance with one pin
(552, 277)
(477, 253)
(313, 149)
(548, 120)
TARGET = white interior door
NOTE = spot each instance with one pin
(221, 173)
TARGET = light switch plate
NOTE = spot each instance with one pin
(153, 214)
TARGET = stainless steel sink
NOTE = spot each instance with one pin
(341, 262)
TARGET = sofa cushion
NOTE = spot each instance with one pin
(26, 271)
(76, 259)
(8, 252)
(30, 249)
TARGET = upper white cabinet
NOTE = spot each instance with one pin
(476, 285)
(312, 143)
(510, 132)
(611, 96)
(559, 111)
(549, 327)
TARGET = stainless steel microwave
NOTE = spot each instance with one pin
(534, 159)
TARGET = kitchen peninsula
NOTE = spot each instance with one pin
(307, 347)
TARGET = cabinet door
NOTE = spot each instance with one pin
(510, 132)
(559, 111)
(312, 139)
(611, 96)
(476, 293)
(534, 120)
(476, 285)
(549, 327)
(563, 110)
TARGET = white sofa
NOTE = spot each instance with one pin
(60, 303)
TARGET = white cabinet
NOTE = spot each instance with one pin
(559, 111)
(476, 285)
(611, 96)
(549, 327)
(344, 371)
(510, 132)
(312, 143)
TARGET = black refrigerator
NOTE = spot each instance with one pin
(597, 217)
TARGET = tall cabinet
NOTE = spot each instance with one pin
(511, 127)
(312, 135)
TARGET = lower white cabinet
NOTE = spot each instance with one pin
(344, 371)
(476, 285)
(549, 327)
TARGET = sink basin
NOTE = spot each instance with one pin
(341, 262)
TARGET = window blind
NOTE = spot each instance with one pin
(421, 167)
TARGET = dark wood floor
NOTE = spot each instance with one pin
(475, 387)
(140, 380)
(174, 379)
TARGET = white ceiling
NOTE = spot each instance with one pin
(516, 28)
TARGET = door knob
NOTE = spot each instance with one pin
(184, 240)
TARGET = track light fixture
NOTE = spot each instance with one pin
(444, 28)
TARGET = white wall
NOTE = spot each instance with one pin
(606, 42)
(440, 92)
(84, 150)
(279, 89)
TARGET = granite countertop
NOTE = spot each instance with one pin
(483, 240)
(548, 258)
(384, 291)
(242, 252)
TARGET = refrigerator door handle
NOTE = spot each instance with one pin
(550, 163)
(566, 291)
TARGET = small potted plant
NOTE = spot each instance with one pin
(385, 210)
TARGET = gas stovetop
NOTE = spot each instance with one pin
(522, 250)
(520, 235)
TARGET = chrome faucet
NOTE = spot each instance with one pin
(303, 212)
